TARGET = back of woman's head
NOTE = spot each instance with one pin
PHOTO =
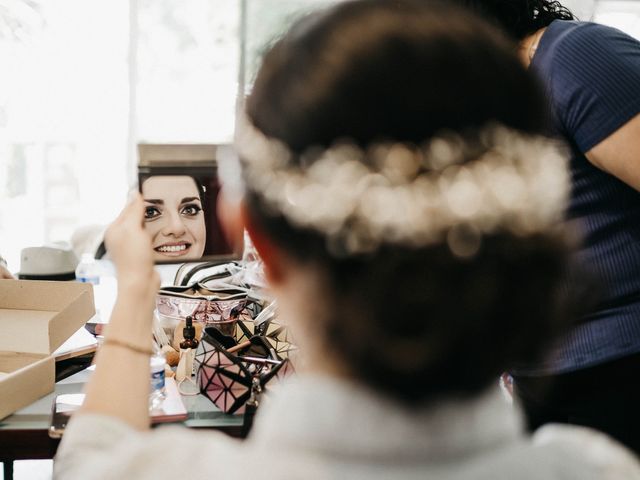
(519, 18)
(432, 286)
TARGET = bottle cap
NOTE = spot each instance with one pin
(87, 258)
(189, 331)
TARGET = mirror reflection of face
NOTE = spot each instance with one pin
(174, 217)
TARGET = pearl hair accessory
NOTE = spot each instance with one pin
(451, 188)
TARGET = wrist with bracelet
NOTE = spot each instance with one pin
(128, 345)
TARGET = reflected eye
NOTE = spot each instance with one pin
(151, 212)
(190, 210)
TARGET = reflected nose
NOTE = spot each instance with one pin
(174, 226)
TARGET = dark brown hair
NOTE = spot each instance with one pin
(519, 18)
(415, 323)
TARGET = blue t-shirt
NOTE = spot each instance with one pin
(592, 76)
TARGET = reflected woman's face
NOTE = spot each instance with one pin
(174, 217)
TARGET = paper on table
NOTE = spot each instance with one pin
(69, 402)
(80, 343)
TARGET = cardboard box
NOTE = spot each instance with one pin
(36, 317)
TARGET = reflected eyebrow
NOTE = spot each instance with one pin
(189, 199)
(154, 201)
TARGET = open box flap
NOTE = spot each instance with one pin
(38, 316)
(12, 363)
(25, 330)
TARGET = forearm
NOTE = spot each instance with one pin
(120, 385)
(619, 154)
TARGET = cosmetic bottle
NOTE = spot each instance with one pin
(157, 392)
(87, 270)
(188, 346)
(189, 334)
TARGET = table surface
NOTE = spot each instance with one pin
(24, 435)
(202, 412)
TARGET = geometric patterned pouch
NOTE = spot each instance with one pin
(232, 371)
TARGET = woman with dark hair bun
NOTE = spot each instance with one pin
(408, 209)
(591, 74)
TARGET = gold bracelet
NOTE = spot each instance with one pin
(131, 346)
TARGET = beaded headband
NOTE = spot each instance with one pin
(451, 188)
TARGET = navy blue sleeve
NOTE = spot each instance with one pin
(595, 81)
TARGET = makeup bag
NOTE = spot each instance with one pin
(234, 370)
(221, 307)
(206, 273)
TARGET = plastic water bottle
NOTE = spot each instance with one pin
(87, 270)
(158, 391)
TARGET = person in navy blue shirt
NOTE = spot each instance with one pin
(591, 74)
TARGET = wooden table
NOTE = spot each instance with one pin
(24, 435)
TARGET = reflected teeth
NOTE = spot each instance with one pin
(173, 248)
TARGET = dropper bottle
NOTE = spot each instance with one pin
(188, 346)
(189, 334)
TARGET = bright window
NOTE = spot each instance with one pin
(624, 15)
(63, 122)
(85, 80)
(188, 53)
(82, 82)
(266, 21)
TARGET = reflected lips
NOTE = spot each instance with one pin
(175, 249)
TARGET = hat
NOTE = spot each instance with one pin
(48, 263)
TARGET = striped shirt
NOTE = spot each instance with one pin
(592, 75)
